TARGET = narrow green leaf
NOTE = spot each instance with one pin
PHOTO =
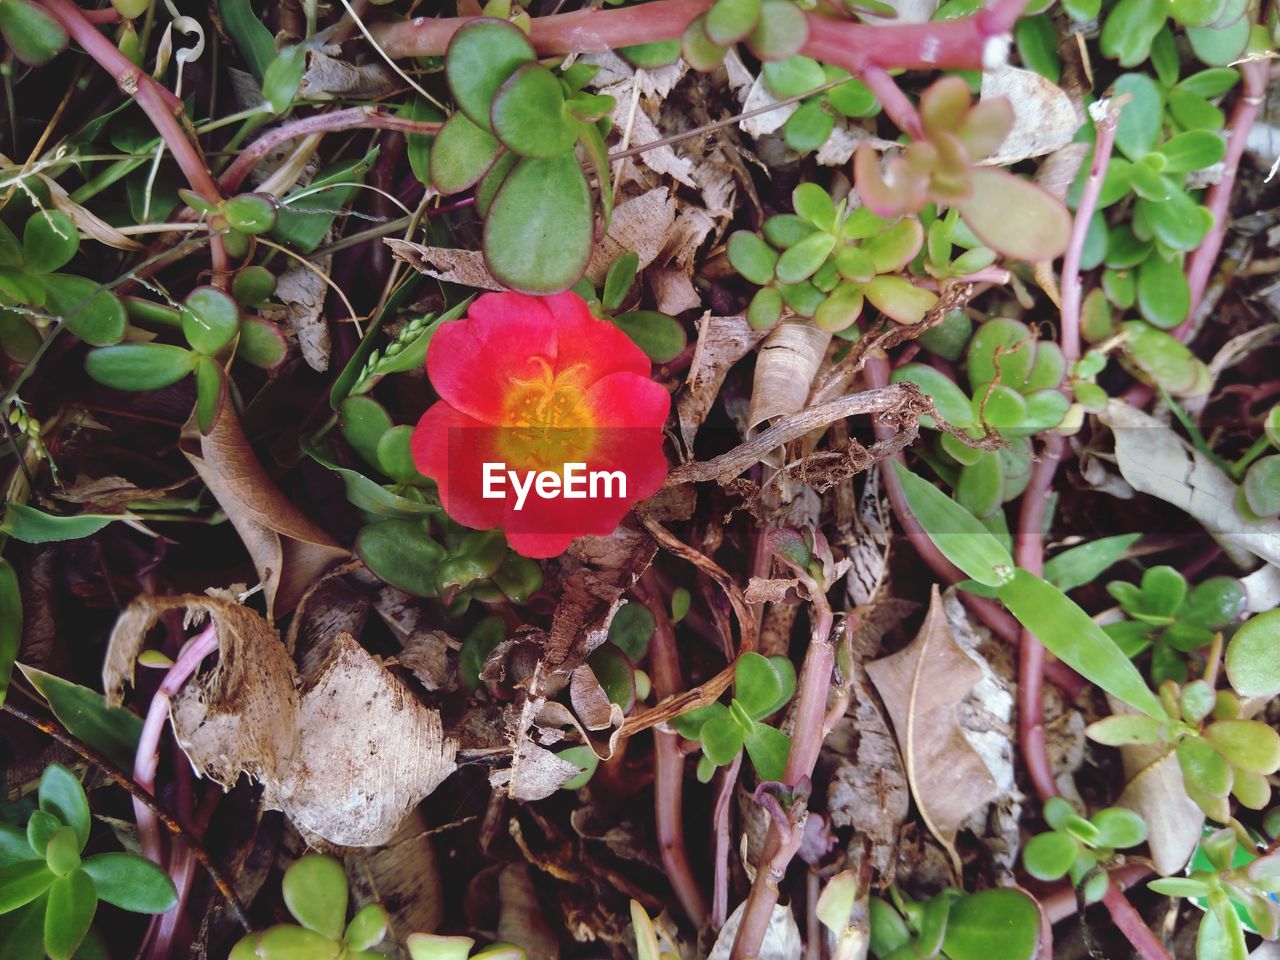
(958, 534)
(113, 731)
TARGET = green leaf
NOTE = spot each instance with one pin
(900, 299)
(780, 32)
(999, 922)
(1125, 728)
(751, 257)
(1179, 887)
(1219, 46)
(1048, 856)
(252, 39)
(283, 76)
(418, 145)
(1119, 828)
(369, 496)
(729, 21)
(401, 552)
(809, 127)
(699, 50)
(815, 205)
(631, 629)
(367, 927)
(1193, 150)
(253, 285)
(1130, 28)
(768, 748)
(62, 796)
(763, 684)
(1253, 656)
(261, 343)
(1080, 565)
(481, 56)
(1164, 297)
(29, 525)
(618, 280)
(32, 35)
(800, 261)
(793, 76)
(1220, 936)
(210, 392)
(662, 338)
(1214, 603)
(980, 489)
(1015, 216)
(538, 235)
(649, 56)
(721, 736)
(94, 315)
(765, 308)
(22, 882)
(139, 366)
(113, 731)
(1247, 744)
(22, 932)
(10, 624)
(476, 647)
(315, 891)
(364, 421)
(395, 456)
(49, 241)
(1138, 129)
(1203, 767)
(251, 213)
(72, 904)
(957, 533)
(615, 674)
(306, 214)
(1070, 635)
(210, 319)
(853, 99)
(529, 114)
(285, 941)
(1262, 486)
(62, 853)
(1196, 13)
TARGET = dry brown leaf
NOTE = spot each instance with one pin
(673, 291)
(86, 221)
(403, 876)
(287, 549)
(788, 360)
(921, 687)
(1044, 118)
(693, 226)
(465, 267)
(520, 920)
(722, 342)
(346, 757)
(303, 293)
(1155, 461)
(589, 699)
(329, 78)
(111, 494)
(426, 656)
(641, 225)
(535, 773)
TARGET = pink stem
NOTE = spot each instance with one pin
(1061, 902)
(896, 105)
(807, 736)
(1254, 76)
(668, 759)
(1129, 922)
(147, 758)
(950, 44)
(1029, 553)
(723, 845)
(160, 106)
(354, 118)
(107, 14)
(1071, 292)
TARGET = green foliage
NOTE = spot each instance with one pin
(809, 127)
(761, 686)
(771, 29)
(662, 338)
(32, 35)
(826, 261)
(1171, 620)
(955, 925)
(1078, 847)
(49, 891)
(430, 946)
(315, 892)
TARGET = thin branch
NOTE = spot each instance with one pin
(668, 760)
(1129, 922)
(354, 118)
(220, 880)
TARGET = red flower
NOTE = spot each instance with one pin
(530, 385)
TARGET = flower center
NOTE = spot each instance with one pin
(548, 423)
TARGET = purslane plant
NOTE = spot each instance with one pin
(1075, 846)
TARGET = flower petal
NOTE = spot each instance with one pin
(585, 339)
(624, 400)
(472, 361)
(451, 448)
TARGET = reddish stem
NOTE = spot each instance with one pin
(354, 118)
(1070, 283)
(1029, 554)
(723, 845)
(1254, 76)
(896, 105)
(954, 44)
(1129, 922)
(161, 107)
(1061, 903)
(668, 758)
(808, 733)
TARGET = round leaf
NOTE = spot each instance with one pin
(765, 308)
(793, 76)
(261, 343)
(210, 319)
(1049, 856)
(315, 891)
(251, 213)
(62, 796)
(1119, 828)
(1262, 486)
(729, 21)
(1015, 216)
(751, 256)
(62, 853)
(662, 338)
(1253, 656)
(992, 923)
(32, 35)
(367, 928)
(131, 882)
(400, 552)
(481, 56)
(529, 115)
(1247, 744)
(95, 316)
(1138, 128)
(631, 630)
(1163, 294)
(538, 235)
(781, 31)
(461, 154)
(49, 240)
(1203, 767)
